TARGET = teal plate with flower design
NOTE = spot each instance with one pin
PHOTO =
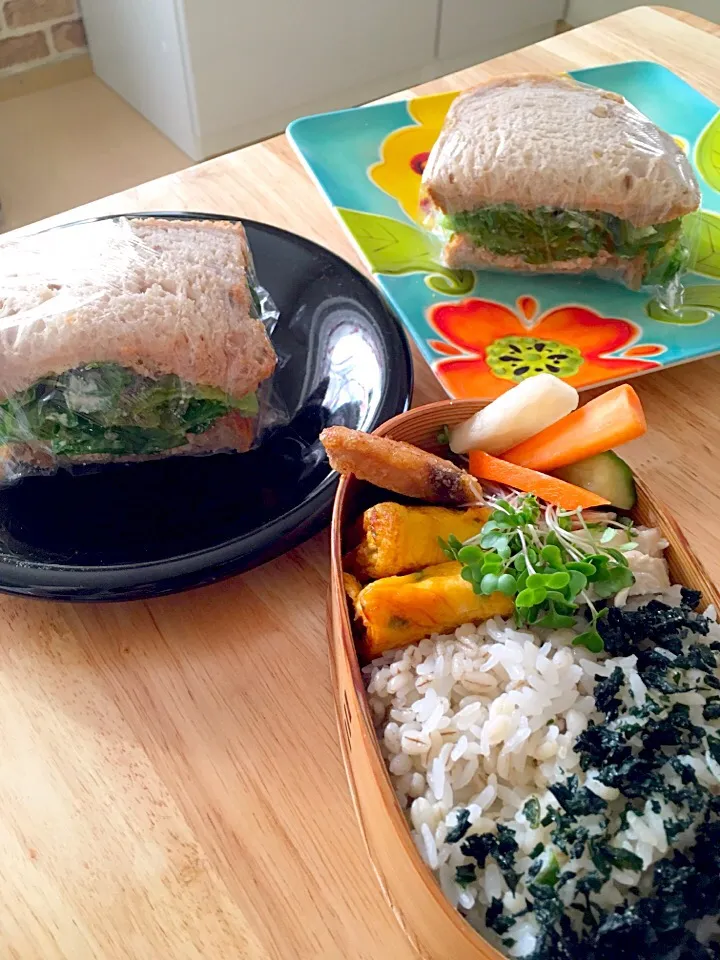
(483, 332)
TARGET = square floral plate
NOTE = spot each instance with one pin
(482, 332)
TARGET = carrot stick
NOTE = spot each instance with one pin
(613, 418)
(565, 495)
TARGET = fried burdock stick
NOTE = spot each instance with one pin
(400, 467)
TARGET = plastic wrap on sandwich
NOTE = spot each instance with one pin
(132, 339)
(542, 174)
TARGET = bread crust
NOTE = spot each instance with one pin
(169, 297)
(547, 141)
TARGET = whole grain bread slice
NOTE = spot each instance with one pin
(156, 296)
(548, 141)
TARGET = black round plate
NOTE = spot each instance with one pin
(125, 531)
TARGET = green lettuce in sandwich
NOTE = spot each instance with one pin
(107, 410)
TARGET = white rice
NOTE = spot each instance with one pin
(485, 719)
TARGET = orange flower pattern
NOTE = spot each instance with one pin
(494, 348)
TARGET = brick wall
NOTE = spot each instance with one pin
(35, 32)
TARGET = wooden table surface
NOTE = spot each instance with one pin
(170, 779)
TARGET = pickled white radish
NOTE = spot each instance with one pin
(523, 411)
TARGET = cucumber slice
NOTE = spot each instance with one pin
(604, 474)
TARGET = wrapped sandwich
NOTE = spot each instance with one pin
(546, 175)
(129, 340)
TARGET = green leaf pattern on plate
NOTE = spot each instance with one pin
(451, 283)
(393, 247)
(702, 231)
(707, 153)
(699, 304)
(699, 301)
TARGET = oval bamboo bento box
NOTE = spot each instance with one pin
(436, 930)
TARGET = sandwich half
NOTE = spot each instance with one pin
(129, 340)
(546, 175)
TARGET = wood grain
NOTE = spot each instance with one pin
(436, 930)
(692, 19)
(170, 776)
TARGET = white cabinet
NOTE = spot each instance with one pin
(217, 74)
(138, 50)
(498, 26)
(257, 64)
